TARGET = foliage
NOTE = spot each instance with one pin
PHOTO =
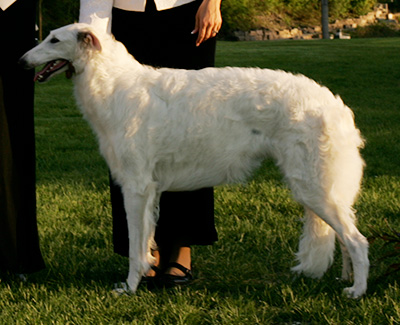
(379, 29)
(237, 14)
(242, 14)
(361, 7)
(58, 13)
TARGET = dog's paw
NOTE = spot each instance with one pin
(122, 289)
(353, 293)
(347, 273)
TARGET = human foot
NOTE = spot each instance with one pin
(178, 270)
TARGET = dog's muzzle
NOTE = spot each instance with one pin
(55, 67)
(52, 68)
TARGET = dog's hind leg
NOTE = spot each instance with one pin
(140, 209)
(356, 247)
(346, 260)
(341, 219)
(313, 246)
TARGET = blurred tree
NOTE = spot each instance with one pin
(54, 14)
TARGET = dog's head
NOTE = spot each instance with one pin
(62, 51)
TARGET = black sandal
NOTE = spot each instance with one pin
(169, 280)
(152, 281)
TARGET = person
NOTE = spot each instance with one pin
(19, 240)
(174, 34)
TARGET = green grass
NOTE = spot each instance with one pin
(245, 277)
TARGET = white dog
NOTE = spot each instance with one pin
(180, 130)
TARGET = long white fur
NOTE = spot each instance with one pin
(165, 129)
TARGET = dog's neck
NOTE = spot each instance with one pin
(99, 76)
(99, 72)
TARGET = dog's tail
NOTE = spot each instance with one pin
(342, 155)
(316, 248)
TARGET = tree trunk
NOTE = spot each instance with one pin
(325, 19)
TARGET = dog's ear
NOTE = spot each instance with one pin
(88, 39)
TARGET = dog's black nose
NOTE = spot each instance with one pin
(24, 64)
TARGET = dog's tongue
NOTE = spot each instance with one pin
(50, 68)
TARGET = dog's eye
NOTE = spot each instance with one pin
(54, 40)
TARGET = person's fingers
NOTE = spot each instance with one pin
(207, 31)
(204, 34)
(196, 25)
(208, 21)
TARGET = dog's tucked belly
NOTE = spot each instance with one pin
(192, 175)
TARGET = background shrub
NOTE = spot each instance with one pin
(376, 30)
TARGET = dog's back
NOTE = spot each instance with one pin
(188, 116)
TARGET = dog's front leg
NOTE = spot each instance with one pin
(140, 208)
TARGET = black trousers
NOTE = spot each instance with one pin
(164, 39)
(19, 243)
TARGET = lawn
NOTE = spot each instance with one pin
(245, 277)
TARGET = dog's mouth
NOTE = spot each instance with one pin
(54, 67)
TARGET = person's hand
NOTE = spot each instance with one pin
(208, 20)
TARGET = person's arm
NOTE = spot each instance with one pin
(96, 12)
(208, 20)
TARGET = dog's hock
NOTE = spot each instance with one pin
(88, 39)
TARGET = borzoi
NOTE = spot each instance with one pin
(179, 130)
